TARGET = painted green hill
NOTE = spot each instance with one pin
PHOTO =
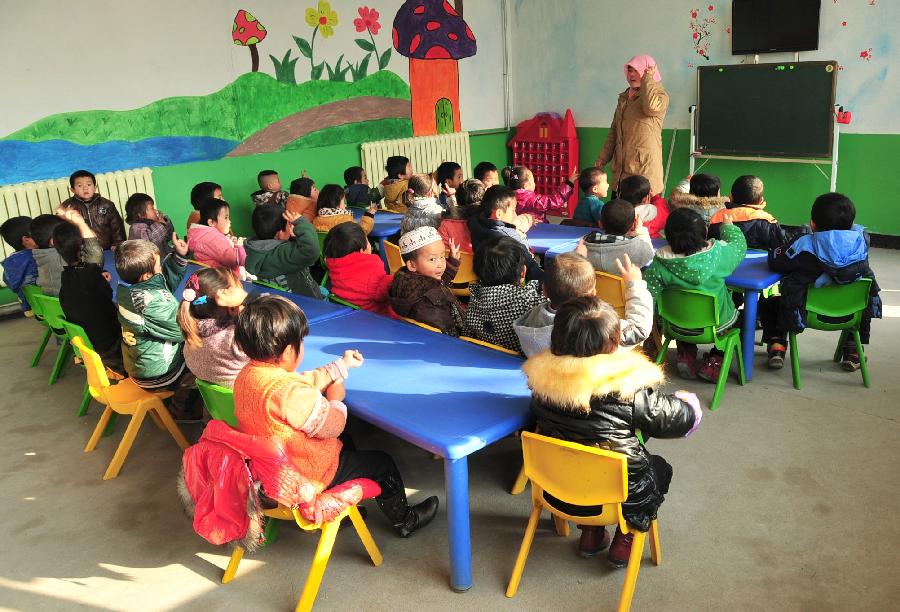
(252, 102)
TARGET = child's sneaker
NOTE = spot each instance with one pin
(593, 540)
(776, 350)
(711, 367)
(620, 549)
(687, 363)
(850, 359)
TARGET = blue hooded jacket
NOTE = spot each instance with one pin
(20, 269)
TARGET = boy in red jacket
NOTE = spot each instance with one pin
(357, 275)
(652, 208)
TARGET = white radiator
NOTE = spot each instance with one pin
(43, 197)
(425, 152)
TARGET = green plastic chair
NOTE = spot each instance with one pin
(219, 401)
(335, 299)
(30, 292)
(835, 301)
(693, 317)
(322, 236)
(267, 284)
(53, 317)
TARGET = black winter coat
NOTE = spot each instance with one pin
(86, 299)
(601, 401)
(481, 229)
(760, 228)
(428, 300)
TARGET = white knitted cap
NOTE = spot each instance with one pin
(417, 238)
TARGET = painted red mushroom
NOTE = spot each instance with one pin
(248, 32)
(433, 35)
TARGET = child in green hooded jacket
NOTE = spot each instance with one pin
(690, 261)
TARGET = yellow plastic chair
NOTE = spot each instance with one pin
(464, 275)
(123, 398)
(584, 476)
(611, 289)
(493, 347)
(393, 256)
(422, 325)
(323, 550)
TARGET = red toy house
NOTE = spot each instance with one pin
(547, 144)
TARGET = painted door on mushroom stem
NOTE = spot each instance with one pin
(444, 116)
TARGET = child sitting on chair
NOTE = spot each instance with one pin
(837, 251)
(147, 223)
(49, 262)
(100, 214)
(422, 207)
(420, 290)
(19, 268)
(704, 196)
(690, 261)
(747, 210)
(501, 294)
(200, 193)
(623, 234)
(497, 217)
(211, 301)
(331, 210)
(454, 221)
(305, 410)
(487, 173)
(584, 390)
(284, 248)
(357, 275)
(594, 185)
(571, 275)
(356, 187)
(449, 177)
(209, 241)
(395, 184)
(651, 208)
(303, 198)
(270, 191)
(538, 206)
(152, 343)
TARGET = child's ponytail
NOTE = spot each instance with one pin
(200, 301)
(514, 176)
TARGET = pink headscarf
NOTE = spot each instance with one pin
(641, 63)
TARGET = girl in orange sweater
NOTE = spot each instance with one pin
(305, 410)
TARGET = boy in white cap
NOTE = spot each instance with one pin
(421, 290)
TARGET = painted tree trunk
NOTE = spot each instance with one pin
(254, 58)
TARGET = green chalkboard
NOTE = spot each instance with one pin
(778, 110)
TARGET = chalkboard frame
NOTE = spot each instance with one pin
(704, 150)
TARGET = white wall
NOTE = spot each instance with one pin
(97, 54)
(571, 54)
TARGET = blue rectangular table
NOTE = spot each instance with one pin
(439, 393)
(545, 236)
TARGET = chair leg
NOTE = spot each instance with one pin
(655, 549)
(365, 535)
(661, 355)
(85, 400)
(519, 484)
(795, 359)
(839, 351)
(125, 445)
(723, 376)
(317, 571)
(742, 373)
(863, 366)
(41, 347)
(231, 569)
(631, 573)
(63, 356)
(522, 557)
(98, 430)
(562, 526)
(170, 425)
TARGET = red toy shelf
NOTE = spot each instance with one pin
(547, 144)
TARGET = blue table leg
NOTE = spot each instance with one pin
(456, 484)
(748, 333)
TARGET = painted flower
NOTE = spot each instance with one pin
(696, 35)
(710, 7)
(866, 55)
(694, 14)
(323, 18)
(844, 23)
(368, 20)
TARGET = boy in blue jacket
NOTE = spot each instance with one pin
(837, 251)
(19, 268)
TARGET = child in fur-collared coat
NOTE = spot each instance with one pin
(584, 390)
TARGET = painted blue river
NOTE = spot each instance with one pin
(22, 161)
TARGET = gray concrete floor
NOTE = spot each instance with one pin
(782, 500)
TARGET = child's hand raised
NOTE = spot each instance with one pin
(454, 249)
(290, 216)
(728, 219)
(574, 176)
(71, 215)
(372, 208)
(180, 245)
(629, 272)
(352, 359)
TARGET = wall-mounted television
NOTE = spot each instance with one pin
(767, 26)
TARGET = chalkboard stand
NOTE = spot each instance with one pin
(694, 155)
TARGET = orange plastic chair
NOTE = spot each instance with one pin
(493, 347)
(611, 289)
(323, 550)
(393, 256)
(123, 398)
(585, 476)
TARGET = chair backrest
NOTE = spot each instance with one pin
(392, 254)
(51, 310)
(30, 292)
(837, 301)
(691, 316)
(219, 401)
(336, 300)
(464, 275)
(611, 289)
(575, 473)
(422, 325)
(76, 331)
(486, 344)
(93, 365)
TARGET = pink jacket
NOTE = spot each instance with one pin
(538, 205)
(213, 248)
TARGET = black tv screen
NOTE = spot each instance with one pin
(766, 26)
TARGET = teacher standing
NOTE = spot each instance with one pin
(634, 142)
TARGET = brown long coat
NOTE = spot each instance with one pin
(634, 142)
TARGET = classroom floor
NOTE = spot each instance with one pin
(782, 500)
